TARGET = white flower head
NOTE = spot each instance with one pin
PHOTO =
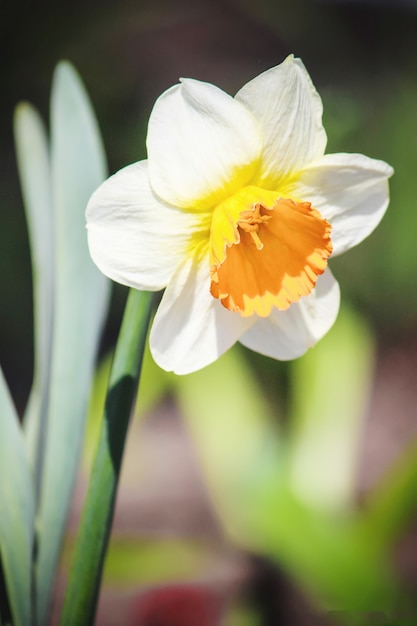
(235, 213)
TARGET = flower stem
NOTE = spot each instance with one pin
(94, 531)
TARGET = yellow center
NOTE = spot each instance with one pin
(265, 251)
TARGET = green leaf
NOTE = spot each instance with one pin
(80, 305)
(327, 555)
(35, 178)
(232, 427)
(16, 511)
(92, 540)
(392, 505)
(330, 389)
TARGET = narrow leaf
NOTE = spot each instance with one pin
(16, 511)
(35, 178)
(80, 306)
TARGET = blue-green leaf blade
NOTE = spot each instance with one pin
(81, 298)
(16, 511)
(35, 177)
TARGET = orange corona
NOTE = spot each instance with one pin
(275, 258)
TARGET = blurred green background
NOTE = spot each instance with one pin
(362, 57)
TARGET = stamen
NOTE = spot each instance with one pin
(250, 222)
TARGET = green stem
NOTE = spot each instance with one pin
(94, 532)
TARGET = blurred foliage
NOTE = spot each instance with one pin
(384, 266)
(286, 489)
(275, 494)
(330, 389)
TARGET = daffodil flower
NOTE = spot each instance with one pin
(235, 214)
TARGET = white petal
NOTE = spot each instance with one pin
(350, 191)
(191, 328)
(202, 145)
(288, 334)
(134, 237)
(289, 110)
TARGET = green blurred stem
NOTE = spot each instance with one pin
(94, 532)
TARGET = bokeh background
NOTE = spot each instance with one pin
(362, 57)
